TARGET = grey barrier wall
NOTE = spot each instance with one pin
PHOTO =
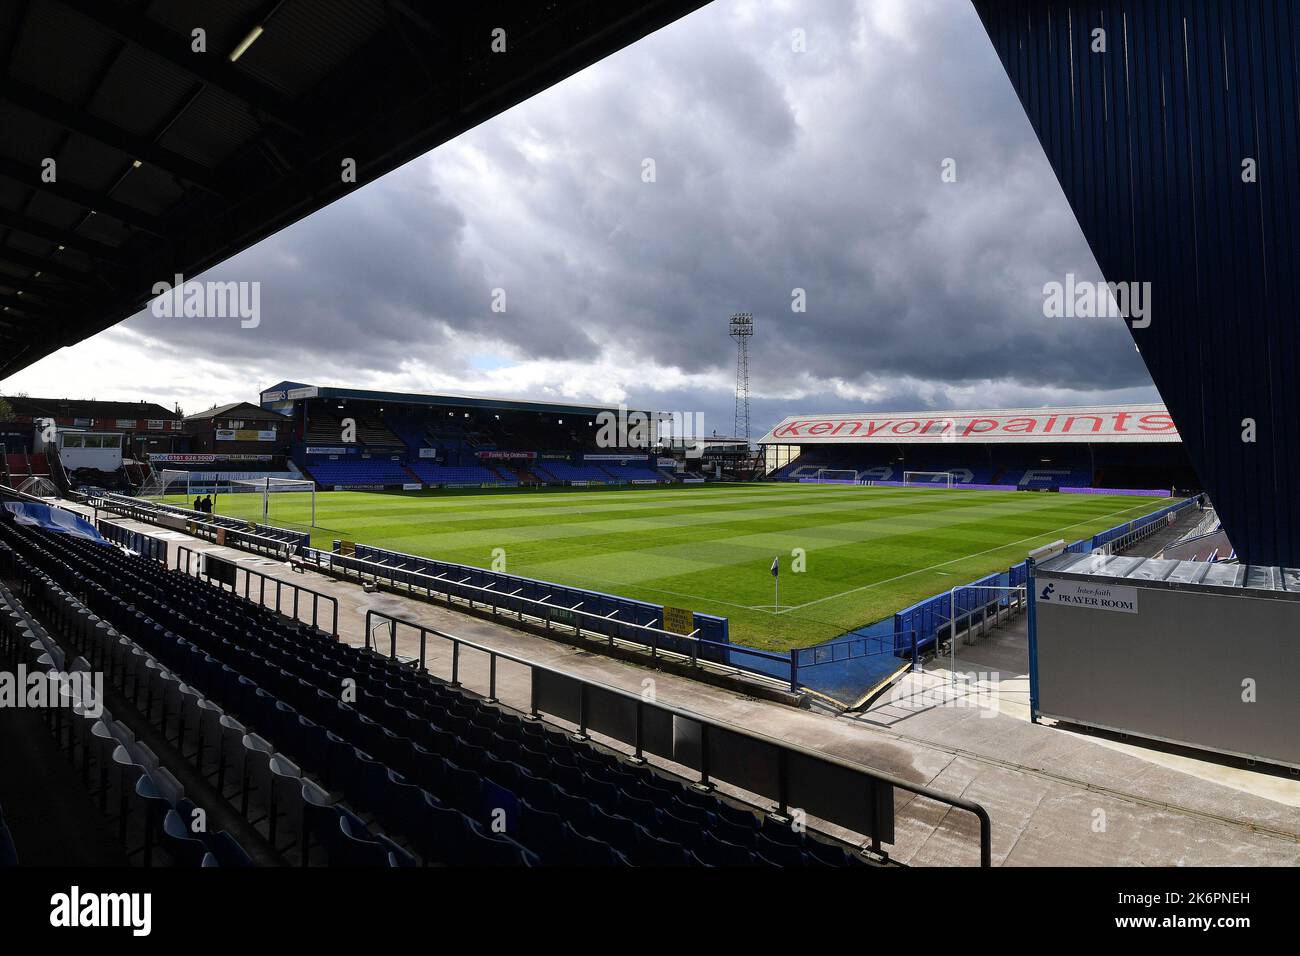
(1208, 666)
(832, 791)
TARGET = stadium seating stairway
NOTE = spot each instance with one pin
(409, 769)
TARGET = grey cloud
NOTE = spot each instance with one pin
(775, 170)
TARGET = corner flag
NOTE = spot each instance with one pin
(776, 566)
(776, 571)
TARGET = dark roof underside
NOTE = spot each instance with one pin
(169, 161)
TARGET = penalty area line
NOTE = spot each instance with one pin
(944, 564)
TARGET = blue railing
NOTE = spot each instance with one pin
(931, 617)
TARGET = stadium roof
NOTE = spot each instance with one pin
(85, 408)
(167, 161)
(294, 391)
(1089, 423)
(247, 409)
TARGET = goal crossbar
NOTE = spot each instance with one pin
(928, 478)
(837, 475)
(272, 486)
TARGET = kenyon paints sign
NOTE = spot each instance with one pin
(1094, 597)
(1110, 423)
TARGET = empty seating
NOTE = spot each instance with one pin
(410, 770)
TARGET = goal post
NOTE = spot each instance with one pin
(169, 481)
(837, 476)
(266, 487)
(944, 479)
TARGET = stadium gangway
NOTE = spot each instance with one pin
(1020, 590)
(760, 746)
(183, 560)
(196, 522)
(332, 560)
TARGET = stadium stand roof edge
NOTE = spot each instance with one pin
(248, 408)
(281, 393)
(24, 406)
(171, 161)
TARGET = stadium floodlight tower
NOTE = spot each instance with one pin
(742, 330)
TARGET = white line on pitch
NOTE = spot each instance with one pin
(942, 564)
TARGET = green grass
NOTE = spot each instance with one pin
(869, 551)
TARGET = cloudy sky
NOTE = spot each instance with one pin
(775, 169)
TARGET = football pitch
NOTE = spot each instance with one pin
(866, 552)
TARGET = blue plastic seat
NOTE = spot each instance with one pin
(824, 854)
(586, 851)
(462, 789)
(181, 844)
(484, 849)
(652, 851)
(445, 833)
(672, 827)
(357, 847)
(716, 852)
(227, 850)
(618, 832)
(542, 832)
(638, 810)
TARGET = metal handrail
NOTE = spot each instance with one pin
(185, 554)
(144, 511)
(783, 746)
(952, 616)
(314, 556)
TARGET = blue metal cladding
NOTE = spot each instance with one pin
(1148, 140)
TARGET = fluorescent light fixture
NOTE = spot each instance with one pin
(136, 164)
(245, 43)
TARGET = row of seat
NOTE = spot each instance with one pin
(134, 789)
(260, 769)
(453, 779)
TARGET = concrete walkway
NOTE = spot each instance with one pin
(1056, 797)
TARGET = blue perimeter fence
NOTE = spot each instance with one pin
(847, 667)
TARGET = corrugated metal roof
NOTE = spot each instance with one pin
(230, 152)
(1182, 574)
(1150, 141)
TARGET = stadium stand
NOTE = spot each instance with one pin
(251, 698)
(563, 471)
(369, 472)
(450, 475)
(633, 472)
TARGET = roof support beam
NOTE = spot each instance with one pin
(126, 24)
(25, 261)
(79, 121)
(28, 176)
(60, 237)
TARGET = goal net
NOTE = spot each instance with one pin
(943, 479)
(168, 483)
(39, 486)
(269, 488)
(838, 476)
